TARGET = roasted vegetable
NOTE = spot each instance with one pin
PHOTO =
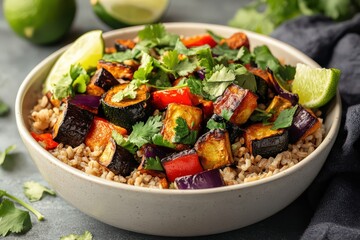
(214, 149)
(261, 140)
(199, 40)
(181, 164)
(117, 159)
(101, 82)
(277, 105)
(121, 45)
(154, 153)
(292, 97)
(128, 111)
(45, 140)
(236, 41)
(87, 102)
(100, 133)
(161, 99)
(236, 103)
(73, 125)
(206, 179)
(304, 123)
(118, 70)
(233, 129)
(191, 115)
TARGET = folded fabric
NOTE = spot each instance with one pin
(335, 193)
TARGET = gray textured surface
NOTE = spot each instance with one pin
(18, 57)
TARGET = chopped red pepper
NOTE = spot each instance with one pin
(181, 164)
(199, 40)
(161, 99)
(45, 139)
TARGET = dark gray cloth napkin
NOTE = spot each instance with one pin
(335, 193)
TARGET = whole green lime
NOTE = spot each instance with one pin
(40, 21)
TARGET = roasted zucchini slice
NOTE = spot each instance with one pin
(73, 125)
(304, 123)
(128, 111)
(214, 149)
(192, 116)
(236, 101)
(118, 70)
(117, 159)
(261, 140)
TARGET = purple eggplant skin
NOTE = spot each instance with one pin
(270, 146)
(153, 151)
(200, 74)
(87, 102)
(104, 79)
(292, 97)
(73, 125)
(303, 121)
(206, 179)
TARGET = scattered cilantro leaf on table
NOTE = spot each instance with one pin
(182, 132)
(85, 236)
(285, 118)
(4, 108)
(6, 152)
(13, 219)
(34, 191)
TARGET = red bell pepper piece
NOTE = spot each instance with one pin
(45, 139)
(162, 98)
(199, 40)
(181, 164)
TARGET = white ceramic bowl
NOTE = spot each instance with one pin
(175, 212)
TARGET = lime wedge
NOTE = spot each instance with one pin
(121, 13)
(86, 50)
(315, 86)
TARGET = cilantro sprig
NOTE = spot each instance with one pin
(85, 236)
(13, 219)
(285, 118)
(7, 151)
(34, 191)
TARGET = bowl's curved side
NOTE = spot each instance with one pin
(169, 212)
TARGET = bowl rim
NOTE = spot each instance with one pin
(30, 79)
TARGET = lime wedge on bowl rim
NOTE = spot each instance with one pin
(86, 50)
(315, 86)
(122, 13)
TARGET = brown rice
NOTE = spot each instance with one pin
(247, 167)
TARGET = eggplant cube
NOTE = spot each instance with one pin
(118, 70)
(192, 116)
(73, 125)
(277, 105)
(261, 140)
(304, 123)
(117, 159)
(240, 102)
(206, 179)
(214, 149)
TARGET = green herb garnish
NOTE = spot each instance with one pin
(34, 191)
(182, 132)
(285, 118)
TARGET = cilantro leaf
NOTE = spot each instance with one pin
(4, 109)
(285, 118)
(174, 65)
(260, 116)
(129, 92)
(13, 219)
(153, 164)
(39, 216)
(143, 132)
(226, 114)
(34, 191)
(212, 124)
(121, 141)
(206, 59)
(171, 59)
(120, 56)
(85, 236)
(152, 32)
(182, 132)
(158, 139)
(219, 81)
(4, 153)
